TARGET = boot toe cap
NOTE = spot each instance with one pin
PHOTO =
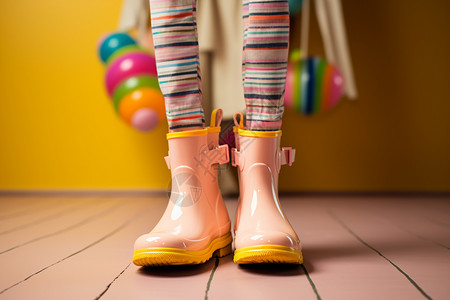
(154, 240)
(267, 238)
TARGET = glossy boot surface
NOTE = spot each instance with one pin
(195, 225)
(263, 234)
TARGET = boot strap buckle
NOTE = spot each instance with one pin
(220, 155)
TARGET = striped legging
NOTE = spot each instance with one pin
(264, 61)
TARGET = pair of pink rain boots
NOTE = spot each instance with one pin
(196, 226)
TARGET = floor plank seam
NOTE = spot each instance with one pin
(338, 220)
(418, 235)
(439, 223)
(311, 282)
(211, 276)
(111, 283)
(64, 230)
(46, 218)
(111, 233)
(27, 210)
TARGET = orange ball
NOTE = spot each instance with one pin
(141, 98)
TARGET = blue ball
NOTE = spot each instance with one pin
(294, 6)
(112, 43)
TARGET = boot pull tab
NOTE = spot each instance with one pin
(239, 124)
(216, 117)
(287, 156)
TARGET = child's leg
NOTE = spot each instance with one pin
(262, 232)
(174, 30)
(265, 55)
(195, 225)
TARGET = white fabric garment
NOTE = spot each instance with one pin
(220, 34)
(135, 14)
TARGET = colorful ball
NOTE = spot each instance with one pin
(142, 108)
(294, 6)
(126, 49)
(131, 84)
(111, 43)
(145, 119)
(126, 66)
(312, 85)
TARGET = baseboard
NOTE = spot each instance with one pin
(85, 192)
(408, 194)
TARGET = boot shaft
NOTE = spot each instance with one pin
(199, 149)
(259, 147)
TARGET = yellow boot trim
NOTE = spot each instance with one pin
(172, 256)
(244, 132)
(216, 119)
(172, 135)
(213, 129)
(268, 254)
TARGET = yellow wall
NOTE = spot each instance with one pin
(57, 126)
(58, 129)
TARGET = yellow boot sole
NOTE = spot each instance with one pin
(268, 254)
(171, 256)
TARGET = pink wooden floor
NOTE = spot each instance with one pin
(354, 248)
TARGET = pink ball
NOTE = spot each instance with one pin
(336, 87)
(145, 119)
(129, 65)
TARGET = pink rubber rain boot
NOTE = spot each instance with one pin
(262, 232)
(195, 225)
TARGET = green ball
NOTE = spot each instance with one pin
(132, 84)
